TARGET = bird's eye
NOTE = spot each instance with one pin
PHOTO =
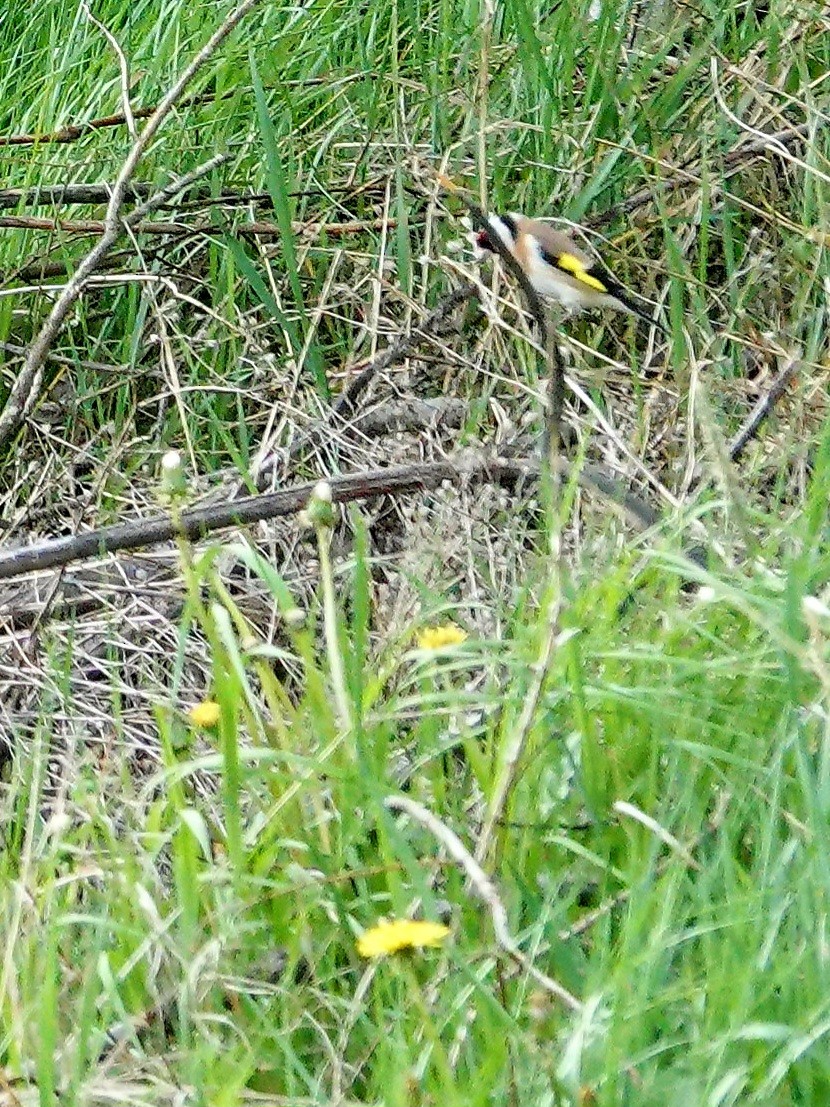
(483, 241)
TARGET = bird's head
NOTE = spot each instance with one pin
(505, 226)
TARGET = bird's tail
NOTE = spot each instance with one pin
(627, 304)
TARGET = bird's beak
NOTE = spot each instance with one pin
(479, 241)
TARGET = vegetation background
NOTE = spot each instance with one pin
(644, 774)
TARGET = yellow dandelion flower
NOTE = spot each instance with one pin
(438, 638)
(205, 714)
(390, 937)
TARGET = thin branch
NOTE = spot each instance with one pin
(396, 481)
(713, 823)
(755, 420)
(75, 131)
(53, 195)
(486, 891)
(411, 415)
(200, 522)
(36, 272)
(394, 354)
(62, 359)
(173, 188)
(763, 409)
(158, 227)
(26, 388)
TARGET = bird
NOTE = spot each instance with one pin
(556, 267)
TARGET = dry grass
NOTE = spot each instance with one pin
(228, 340)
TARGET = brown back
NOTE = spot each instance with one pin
(552, 240)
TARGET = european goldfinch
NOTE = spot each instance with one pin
(556, 267)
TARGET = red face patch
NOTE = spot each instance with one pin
(484, 242)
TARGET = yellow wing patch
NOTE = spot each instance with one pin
(576, 268)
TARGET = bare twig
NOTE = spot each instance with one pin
(38, 271)
(397, 351)
(199, 522)
(756, 419)
(26, 388)
(173, 188)
(762, 410)
(133, 219)
(61, 359)
(396, 481)
(485, 889)
(35, 272)
(53, 195)
(77, 130)
(85, 226)
(401, 348)
(713, 823)
(412, 415)
(249, 230)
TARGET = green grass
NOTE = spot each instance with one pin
(180, 908)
